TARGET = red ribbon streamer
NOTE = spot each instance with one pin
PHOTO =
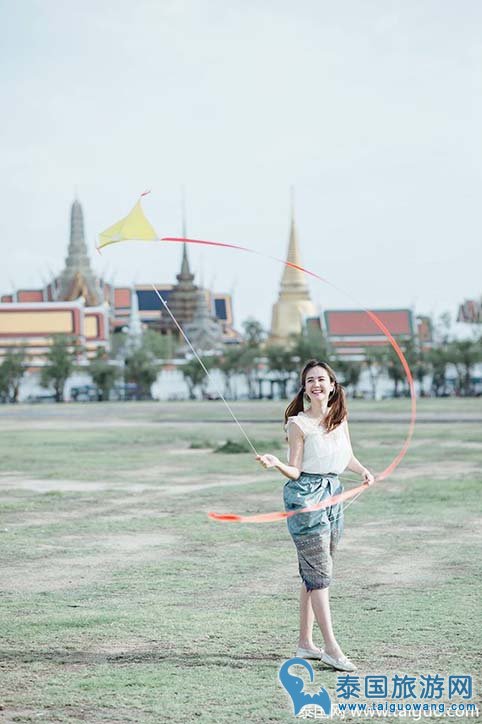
(270, 517)
(281, 515)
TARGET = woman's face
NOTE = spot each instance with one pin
(318, 385)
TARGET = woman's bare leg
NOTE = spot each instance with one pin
(320, 602)
(307, 618)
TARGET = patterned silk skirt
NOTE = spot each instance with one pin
(317, 533)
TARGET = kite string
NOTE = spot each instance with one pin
(205, 370)
(398, 458)
(395, 462)
(380, 325)
(347, 479)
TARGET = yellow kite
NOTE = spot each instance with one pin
(133, 227)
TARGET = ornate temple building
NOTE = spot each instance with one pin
(89, 310)
(294, 305)
(74, 304)
(350, 332)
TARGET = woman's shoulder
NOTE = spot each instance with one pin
(299, 420)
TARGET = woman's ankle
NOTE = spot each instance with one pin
(304, 643)
(333, 649)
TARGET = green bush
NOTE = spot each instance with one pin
(201, 444)
(233, 447)
(263, 446)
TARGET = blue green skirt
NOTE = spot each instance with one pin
(317, 533)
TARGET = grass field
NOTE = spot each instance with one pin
(122, 602)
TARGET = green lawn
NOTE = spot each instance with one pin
(121, 601)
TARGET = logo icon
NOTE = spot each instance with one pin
(294, 685)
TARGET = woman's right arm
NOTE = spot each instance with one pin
(295, 441)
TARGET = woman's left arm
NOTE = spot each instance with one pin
(355, 465)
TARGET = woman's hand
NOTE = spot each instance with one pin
(268, 461)
(368, 478)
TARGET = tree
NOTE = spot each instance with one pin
(394, 368)
(415, 360)
(254, 334)
(464, 354)
(248, 366)
(228, 365)
(283, 363)
(438, 359)
(141, 369)
(442, 327)
(59, 364)
(194, 374)
(421, 369)
(250, 352)
(103, 374)
(311, 344)
(12, 370)
(376, 364)
(350, 372)
(161, 346)
(117, 345)
(412, 354)
(4, 385)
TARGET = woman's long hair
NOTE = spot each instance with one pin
(337, 410)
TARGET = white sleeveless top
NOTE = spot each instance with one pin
(323, 452)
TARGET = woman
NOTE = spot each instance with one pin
(319, 450)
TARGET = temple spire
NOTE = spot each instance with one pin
(183, 297)
(294, 279)
(294, 304)
(77, 240)
(185, 274)
(185, 277)
(185, 269)
(77, 278)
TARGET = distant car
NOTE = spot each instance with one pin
(42, 397)
(84, 393)
(211, 396)
(128, 391)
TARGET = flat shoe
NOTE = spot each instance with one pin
(308, 654)
(341, 664)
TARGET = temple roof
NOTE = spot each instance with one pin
(357, 323)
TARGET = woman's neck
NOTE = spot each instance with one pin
(318, 408)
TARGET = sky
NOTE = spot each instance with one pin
(371, 110)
